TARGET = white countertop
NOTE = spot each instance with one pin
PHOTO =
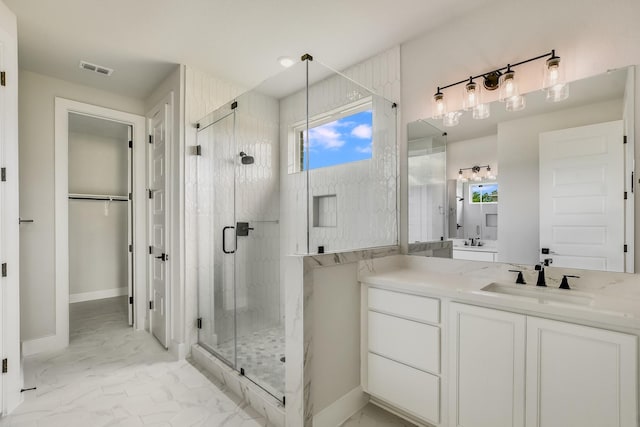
(616, 303)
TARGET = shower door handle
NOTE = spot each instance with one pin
(224, 240)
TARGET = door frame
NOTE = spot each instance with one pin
(61, 210)
(168, 102)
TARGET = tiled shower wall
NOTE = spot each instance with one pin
(366, 191)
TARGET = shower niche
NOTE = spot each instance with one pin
(307, 159)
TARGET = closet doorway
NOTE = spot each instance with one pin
(100, 214)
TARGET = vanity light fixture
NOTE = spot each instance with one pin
(476, 173)
(504, 79)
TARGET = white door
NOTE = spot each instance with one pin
(130, 225)
(582, 197)
(487, 367)
(580, 376)
(159, 259)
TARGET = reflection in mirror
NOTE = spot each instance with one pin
(559, 172)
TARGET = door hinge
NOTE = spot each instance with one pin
(198, 150)
(624, 139)
(625, 195)
(3, 174)
(5, 366)
(130, 248)
(150, 250)
(625, 249)
(150, 193)
(197, 125)
(4, 269)
(199, 322)
(3, 78)
(150, 305)
(130, 144)
(130, 300)
(234, 105)
(150, 139)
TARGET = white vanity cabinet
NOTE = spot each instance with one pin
(403, 352)
(575, 375)
(580, 376)
(487, 367)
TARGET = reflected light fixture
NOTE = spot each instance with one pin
(286, 61)
(476, 174)
(504, 79)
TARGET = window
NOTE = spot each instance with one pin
(342, 136)
(483, 193)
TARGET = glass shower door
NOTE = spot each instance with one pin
(216, 244)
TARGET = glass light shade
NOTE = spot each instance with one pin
(451, 119)
(515, 103)
(482, 111)
(471, 96)
(553, 73)
(508, 86)
(558, 93)
(439, 107)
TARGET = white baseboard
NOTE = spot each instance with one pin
(342, 409)
(90, 296)
(39, 345)
(178, 350)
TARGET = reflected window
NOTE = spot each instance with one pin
(341, 136)
(483, 193)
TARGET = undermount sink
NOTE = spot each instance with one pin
(541, 294)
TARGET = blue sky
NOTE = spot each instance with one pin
(341, 141)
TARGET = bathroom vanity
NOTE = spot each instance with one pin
(448, 343)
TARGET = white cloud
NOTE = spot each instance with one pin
(365, 150)
(362, 131)
(326, 137)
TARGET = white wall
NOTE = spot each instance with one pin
(98, 231)
(518, 151)
(36, 118)
(591, 37)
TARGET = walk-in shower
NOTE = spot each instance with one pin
(306, 159)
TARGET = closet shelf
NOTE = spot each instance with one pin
(102, 197)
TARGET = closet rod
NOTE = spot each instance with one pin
(100, 197)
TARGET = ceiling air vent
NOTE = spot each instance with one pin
(96, 68)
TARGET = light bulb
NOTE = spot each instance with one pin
(471, 95)
(508, 85)
(554, 83)
(439, 108)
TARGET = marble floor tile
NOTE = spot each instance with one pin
(111, 375)
(373, 416)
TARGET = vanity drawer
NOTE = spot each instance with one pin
(406, 341)
(407, 388)
(474, 255)
(411, 306)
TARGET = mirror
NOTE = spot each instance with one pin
(544, 184)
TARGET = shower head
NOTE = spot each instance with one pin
(245, 159)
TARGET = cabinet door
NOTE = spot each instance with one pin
(487, 367)
(580, 376)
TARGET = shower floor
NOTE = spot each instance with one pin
(260, 354)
